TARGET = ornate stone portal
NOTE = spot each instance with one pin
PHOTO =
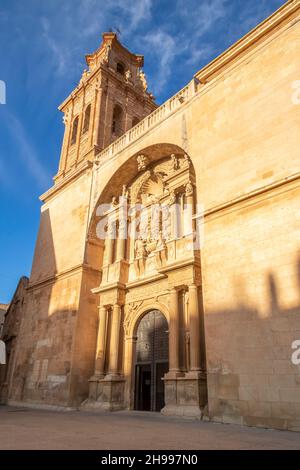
(151, 261)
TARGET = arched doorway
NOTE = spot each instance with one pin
(151, 362)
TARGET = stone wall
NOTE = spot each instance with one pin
(240, 127)
(10, 336)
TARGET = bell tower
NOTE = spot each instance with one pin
(111, 97)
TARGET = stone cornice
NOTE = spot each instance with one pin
(98, 74)
(249, 40)
(67, 179)
(109, 287)
(179, 264)
(63, 274)
(251, 197)
(111, 38)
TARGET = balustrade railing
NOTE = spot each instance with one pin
(147, 123)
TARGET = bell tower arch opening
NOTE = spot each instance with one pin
(151, 361)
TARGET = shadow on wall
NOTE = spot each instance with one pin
(10, 334)
(251, 377)
(45, 368)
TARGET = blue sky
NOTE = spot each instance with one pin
(43, 43)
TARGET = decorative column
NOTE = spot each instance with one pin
(194, 321)
(130, 346)
(101, 343)
(188, 223)
(114, 341)
(173, 379)
(174, 333)
(79, 130)
(107, 124)
(65, 146)
(107, 393)
(121, 242)
(175, 216)
(94, 135)
(109, 242)
(68, 121)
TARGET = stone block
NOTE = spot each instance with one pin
(290, 395)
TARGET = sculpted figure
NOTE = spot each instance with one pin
(160, 242)
(189, 190)
(124, 191)
(142, 162)
(114, 201)
(139, 248)
(143, 80)
(172, 199)
(187, 160)
(106, 53)
(175, 161)
(128, 75)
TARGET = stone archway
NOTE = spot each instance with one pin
(151, 361)
(145, 241)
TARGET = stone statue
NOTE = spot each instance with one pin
(124, 191)
(166, 190)
(152, 199)
(142, 162)
(106, 54)
(114, 201)
(139, 248)
(66, 118)
(172, 199)
(187, 160)
(175, 161)
(189, 190)
(143, 80)
(161, 244)
(128, 75)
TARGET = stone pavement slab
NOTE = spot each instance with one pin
(24, 428)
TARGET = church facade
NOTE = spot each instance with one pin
(166, 270)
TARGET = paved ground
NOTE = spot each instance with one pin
(21, 428)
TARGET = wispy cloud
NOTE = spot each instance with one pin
(25, 151)
(165, 41)
(197, 54)
(88, 18)
(5, 179)
(181, 31)
(58, 53)
(193, 20)
(205, 15)
(135, 13)
(166, 45)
